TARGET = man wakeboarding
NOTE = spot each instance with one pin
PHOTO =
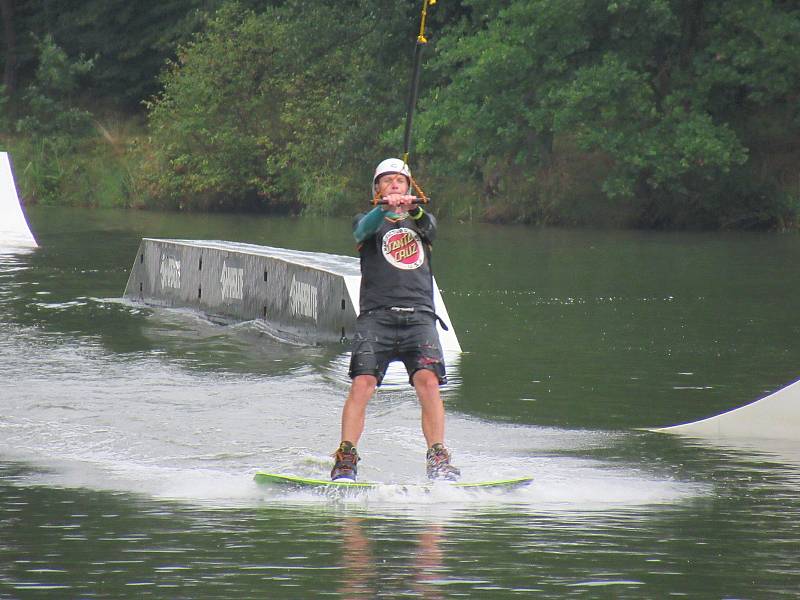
(396, 318)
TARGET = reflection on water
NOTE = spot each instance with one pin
(360, 574)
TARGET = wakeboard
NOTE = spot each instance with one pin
(297, 482)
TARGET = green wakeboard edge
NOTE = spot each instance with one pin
(296, 481)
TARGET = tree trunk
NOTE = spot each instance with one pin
(10, 69)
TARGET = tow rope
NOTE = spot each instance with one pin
(422, 198)
(414, 91)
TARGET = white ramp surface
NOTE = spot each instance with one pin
(14, 230)
(776, 416)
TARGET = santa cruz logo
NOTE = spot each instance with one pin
(402, 248)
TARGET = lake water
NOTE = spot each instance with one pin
(129, 436)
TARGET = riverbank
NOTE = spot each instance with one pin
(107, 168)
(95, 170)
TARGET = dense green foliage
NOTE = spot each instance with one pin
(646, 113)
(263, 110)
(129, 40)
(53, 140)
(652, 102)
(81, 72)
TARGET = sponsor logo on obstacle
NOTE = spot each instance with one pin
(170, 271)
(232, 282)
(303, 299)
(402, 248)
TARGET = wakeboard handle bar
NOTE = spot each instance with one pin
(415, 201)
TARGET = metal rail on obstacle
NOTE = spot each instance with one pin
(306, 297)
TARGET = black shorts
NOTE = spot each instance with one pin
(383, 336)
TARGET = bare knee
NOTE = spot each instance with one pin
(426, 382)
(363, 387)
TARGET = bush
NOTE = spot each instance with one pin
(662, 91)
(49, 101)
(63, 155)
(263, 112)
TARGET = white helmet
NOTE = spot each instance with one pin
(391, 165)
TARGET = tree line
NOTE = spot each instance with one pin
(633, 113)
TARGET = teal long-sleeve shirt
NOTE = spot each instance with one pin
(368, 224)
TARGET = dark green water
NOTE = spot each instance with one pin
(129, 436)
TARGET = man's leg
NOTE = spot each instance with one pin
(426, 383)
(353, 413)
(355, 407)
(438, 457)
